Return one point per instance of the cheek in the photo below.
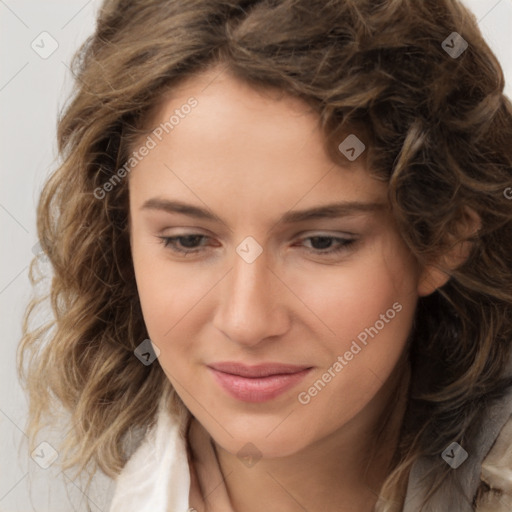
(345, 299)
(370, 310)
(172, 298)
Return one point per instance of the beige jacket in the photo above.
(485, 477)
(497, 474)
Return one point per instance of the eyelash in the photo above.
(344, 244)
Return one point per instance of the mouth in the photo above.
(257, 383)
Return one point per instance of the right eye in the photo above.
(183, 244)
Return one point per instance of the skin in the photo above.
(249, 157)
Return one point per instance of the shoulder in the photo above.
(496, 474)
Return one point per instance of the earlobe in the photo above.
(431, 279)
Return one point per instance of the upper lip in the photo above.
(260, 370)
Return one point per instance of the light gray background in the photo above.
(32, 91)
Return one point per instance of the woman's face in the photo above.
(292, 260)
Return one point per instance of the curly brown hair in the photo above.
(439, 131)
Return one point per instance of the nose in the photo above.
(252, 303)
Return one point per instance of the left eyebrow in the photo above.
(332, 210)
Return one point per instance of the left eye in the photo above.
(320, 244)
(325, 244)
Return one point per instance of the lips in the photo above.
(257, 383)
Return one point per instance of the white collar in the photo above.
(145, 483)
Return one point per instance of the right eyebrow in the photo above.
(169, 206)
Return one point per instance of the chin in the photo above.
(267, 441)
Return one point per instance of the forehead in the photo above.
(246, 147)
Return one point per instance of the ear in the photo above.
(437, 273)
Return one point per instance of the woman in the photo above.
(281, 244)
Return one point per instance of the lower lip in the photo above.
(260, 389)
